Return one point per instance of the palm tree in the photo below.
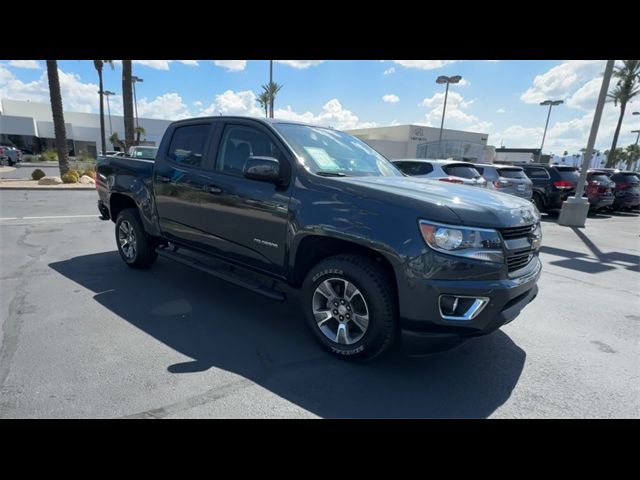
(115, 141)
(58, 116)
(263, 100)
(271, 89)
(127, 103)
(627, 87)
(99, 64)
(139, 131)
(633, 154)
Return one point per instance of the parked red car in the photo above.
(599, 189)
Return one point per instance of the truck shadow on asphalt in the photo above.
(223, 326)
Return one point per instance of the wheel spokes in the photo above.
(361, 321)
(326, 289)
(322, 316)
(342, 335)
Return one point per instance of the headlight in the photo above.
(477, 243)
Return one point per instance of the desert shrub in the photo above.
(49, 155)
(75, 171)
(90, 173)
(37, 174)
(70, 177)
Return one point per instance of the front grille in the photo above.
(519, 259)
(516, 232)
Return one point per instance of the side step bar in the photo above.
(229, 277)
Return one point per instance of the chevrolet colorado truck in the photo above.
(378, 256)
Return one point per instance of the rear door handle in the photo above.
(163, 179)
(213, 189)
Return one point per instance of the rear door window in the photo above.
(188, 143)
(460, 170)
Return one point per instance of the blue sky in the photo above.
(496, 97)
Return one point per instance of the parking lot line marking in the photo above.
(51, 216)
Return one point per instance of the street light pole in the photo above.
(107, 94)
(575, 209)
(135, 80)
(444, 79)
(551, 103)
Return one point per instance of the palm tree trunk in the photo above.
(102, 132)
(612, 155)
(127, 103)
(58, 116)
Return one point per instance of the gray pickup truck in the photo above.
(377, 255)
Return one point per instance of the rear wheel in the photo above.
(349, 305)
(537, 199)
(134, 245)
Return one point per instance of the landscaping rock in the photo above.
(50, 181)
(86, 179)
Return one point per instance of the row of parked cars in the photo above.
(545, 185)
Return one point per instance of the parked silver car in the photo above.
(451, 171)
(506, 179)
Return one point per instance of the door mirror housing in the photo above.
(263, 169)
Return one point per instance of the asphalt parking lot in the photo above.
(82, 335)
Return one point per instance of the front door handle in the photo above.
(213, 189)
(163, 179)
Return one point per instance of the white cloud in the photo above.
(560, 81)
(197, 103)
(191, 63)
(501, 110)
(464, 83)
(493, 61)
(394, 123)
(333, 114)
(457, 117)
(300, 64)
(169, 106)
(424, 64)
(231, 65)
(234, 103)
(587, 95)
(155, 64)
(25, 64)
(389, 71)
(390, 98)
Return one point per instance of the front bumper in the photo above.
(431, 333)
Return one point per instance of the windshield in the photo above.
(460, 170)
(147, 153)
(326, 151)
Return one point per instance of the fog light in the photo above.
(460, 307)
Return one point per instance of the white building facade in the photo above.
(416, 141)
(29, 126)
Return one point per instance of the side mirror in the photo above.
(263, 169)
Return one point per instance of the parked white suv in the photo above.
(10, 155)
(452, 171)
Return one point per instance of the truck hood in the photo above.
(472, 205)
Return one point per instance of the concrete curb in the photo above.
(48, 187)
(4, 169)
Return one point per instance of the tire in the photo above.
(143, 253)
(375, 297)
(537, 199)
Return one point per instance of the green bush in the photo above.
(90, 173)
(37, 174)
(70, 177)
(49, 155)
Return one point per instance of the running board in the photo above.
(229, 277)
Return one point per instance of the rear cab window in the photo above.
(415, 168)
(512, 173)
(461, 170)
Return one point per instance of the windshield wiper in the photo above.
(331, 174)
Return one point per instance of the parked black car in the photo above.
(626, 191)
(552, 184)
(375, 253)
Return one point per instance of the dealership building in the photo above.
(416, 141)
(29, 127)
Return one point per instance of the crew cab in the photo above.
(378, 256)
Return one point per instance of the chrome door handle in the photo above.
(213, 189)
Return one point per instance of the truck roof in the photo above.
(267, 121)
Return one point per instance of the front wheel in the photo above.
(350, 306)
(134, 245)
